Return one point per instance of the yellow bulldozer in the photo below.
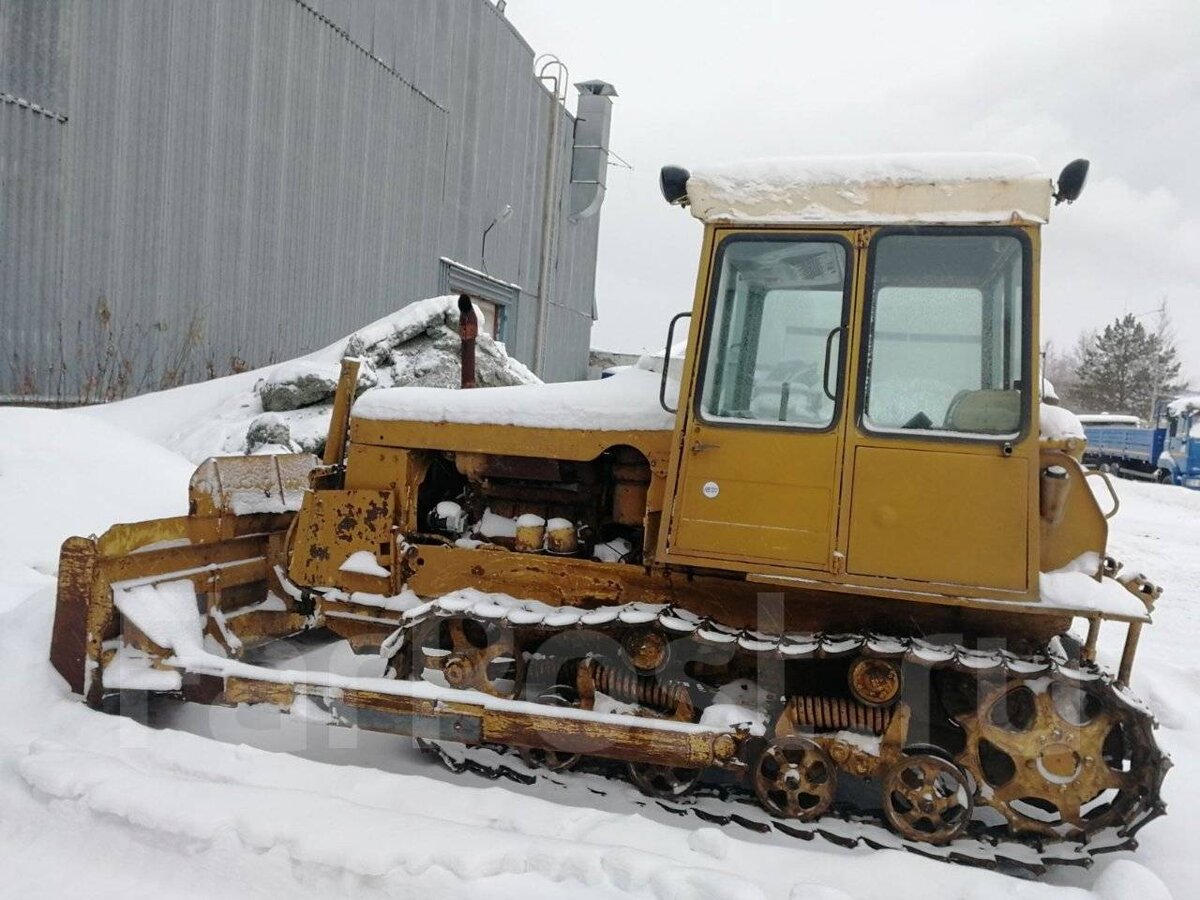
(819, 561)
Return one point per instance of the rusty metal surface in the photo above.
(330, 527)
(927, 799)
(468, 331)
(794, 778)
(68, 639)
(1061, 754)
(668, 698)
(574, 582)
(228, 558)
(468, 721)
(832, 713)
(339, 419)
(471, 658)
(646, 649)
(1056, 734)
(552, 443)
(241, 485)
(875, 682)
(1076, 524)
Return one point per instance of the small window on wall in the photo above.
(945, 335)
(497, 301)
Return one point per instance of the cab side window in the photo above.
(944, 335)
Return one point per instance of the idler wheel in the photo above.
(794, 778)
(664, 782)
(927, 798)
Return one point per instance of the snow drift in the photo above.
(285, 408)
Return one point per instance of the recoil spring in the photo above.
(591, 676)
(839, 714)
(628, 687)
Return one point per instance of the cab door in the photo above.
(940, 483)
(758, 473)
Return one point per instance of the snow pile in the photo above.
(305, 382)
(1049, 394)
(363, 562)
(285, 408)
(1075, 587)
(1059, 424)
(628, 401)
(420, 346)
(1126, 879)
(741, 703)
(64, 473)
(166, 613)
(1182, 405)
(934, 187)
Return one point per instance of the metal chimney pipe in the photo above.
(468, 330)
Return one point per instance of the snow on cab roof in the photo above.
(927, 188)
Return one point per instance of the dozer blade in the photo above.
(239, 510)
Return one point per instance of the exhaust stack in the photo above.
(468, 330)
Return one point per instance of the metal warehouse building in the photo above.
(190, 187)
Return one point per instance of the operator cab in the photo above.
(859, 372)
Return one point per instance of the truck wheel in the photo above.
(1162, 476)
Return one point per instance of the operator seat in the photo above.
(985, 411)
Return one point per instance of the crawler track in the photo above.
(735, 807)
(988, 841)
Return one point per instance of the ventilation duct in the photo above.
(589, 155)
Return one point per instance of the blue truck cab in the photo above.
(1179, 458)
(1168, 452)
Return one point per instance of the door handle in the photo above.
(662, 385)
(828, 356)
(701, 447)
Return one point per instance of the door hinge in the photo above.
(838, 562)
(862, 237)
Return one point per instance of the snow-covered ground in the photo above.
(240, 802)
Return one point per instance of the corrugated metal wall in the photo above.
(237, 182)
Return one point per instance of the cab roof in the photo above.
(929, 188)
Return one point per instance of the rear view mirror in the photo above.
(1071, 181)
(673, 183)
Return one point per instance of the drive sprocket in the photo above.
(1060, 757)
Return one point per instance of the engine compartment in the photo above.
(593, 509)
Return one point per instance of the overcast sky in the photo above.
(706, 81)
